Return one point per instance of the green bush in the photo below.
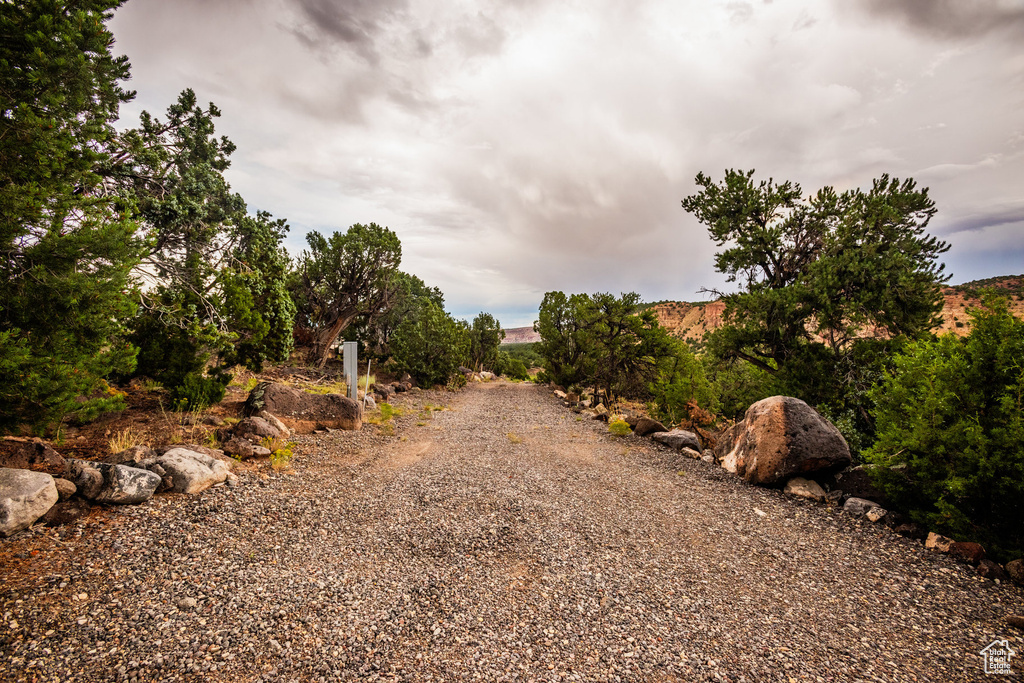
(619, 428)
(516, 369)
(197, 391)
(681, 382)
(431, 345)
(950, 432)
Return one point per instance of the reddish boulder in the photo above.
(1015, 570)
(781, 437)
(301, 411)
(645, 426)
(33, 455)
(966, 551)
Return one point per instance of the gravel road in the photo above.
(500, 539)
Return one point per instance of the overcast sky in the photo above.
(521, 146)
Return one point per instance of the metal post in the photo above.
(350, 363)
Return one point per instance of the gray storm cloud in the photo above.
(519, 147)
(951, 18)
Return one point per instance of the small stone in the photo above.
(967, 551)
(65, 488)
(187, 603)
(805, 488)
(912, 530)
(876, 514)
(1015, 620)
(988, 569)
(937, 542)
(1015, 570)
(858, 506)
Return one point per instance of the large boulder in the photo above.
(255, 429)
(103, 482)
(33, 455)
(645, 426)
(303, 412)
(678, 439)
(781, 437)
(192, 472)
(25, 496)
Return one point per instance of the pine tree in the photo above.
(66, 249)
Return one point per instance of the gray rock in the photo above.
(371, 404)
(256, 428)
(678, 439)
(104, 482)
(781, 437)
(805, 488)
(132, 457)
(559, 394)
(65, 488)
(192, 472)
(858, 506)
(25, 496)
(243, 448)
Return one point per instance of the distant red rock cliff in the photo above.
(520, 335)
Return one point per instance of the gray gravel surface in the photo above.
(501, 539)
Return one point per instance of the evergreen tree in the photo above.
(343, 278)
(431, 345)
(831, 285)
(67, 250)
(213, 276)
(485, 335)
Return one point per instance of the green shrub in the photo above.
(516, 369)
(950, 420)
(431, 345)
(619, 428)
(197, 392)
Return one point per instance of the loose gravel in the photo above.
(500, 539)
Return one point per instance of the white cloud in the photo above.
(523, 147)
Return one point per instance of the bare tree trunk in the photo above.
(324, 341)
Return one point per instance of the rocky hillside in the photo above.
(692, 320)
(520, 335)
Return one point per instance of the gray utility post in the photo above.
(350, 363)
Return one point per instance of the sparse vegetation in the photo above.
(125, 439)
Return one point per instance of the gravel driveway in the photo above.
(501, 539)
